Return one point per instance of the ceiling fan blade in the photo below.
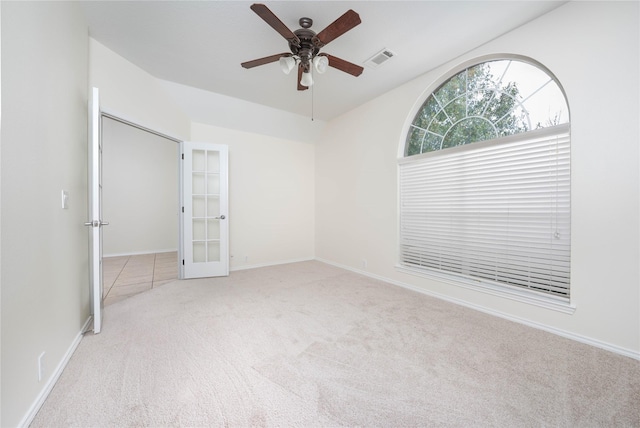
(342, 65)
(263, 12)
(300, 86)
(337, 28)
(265, 60)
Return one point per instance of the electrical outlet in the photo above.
(364, 263)
(246, 259)
(41, 367)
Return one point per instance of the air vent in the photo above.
(380, 58)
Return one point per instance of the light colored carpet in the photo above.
(308, 344)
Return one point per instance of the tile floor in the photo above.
(126, 276)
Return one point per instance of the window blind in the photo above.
(495, 211)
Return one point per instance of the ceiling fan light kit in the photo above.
(306, 79)
(320, 63)
(287, 63)
(305, 46)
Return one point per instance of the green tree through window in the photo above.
(486, 101)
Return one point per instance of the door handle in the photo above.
(96, 223)
(222, 217)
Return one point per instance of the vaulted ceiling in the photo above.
(202, 43)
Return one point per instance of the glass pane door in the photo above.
(205, 209)
(206, 206)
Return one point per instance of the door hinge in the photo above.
(183, 156)
(182, 209)
(182, 262)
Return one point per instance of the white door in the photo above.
(204, 218)
(95, 209)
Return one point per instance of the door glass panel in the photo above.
(199, 232)
(198, 206)
(198, 186)
(206, 206)
(213, 250)
(199, 252)
(198, 162)
(213, 184)
(213, 206)
(213, 229)
(213, 161)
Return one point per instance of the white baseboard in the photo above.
(37, 404)
(261, 265)
(563, 333)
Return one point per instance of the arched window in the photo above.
(484, 102)
(484, 184)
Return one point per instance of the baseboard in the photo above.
(261, 265)
(140, 253)
(550, 329)
(37, 404)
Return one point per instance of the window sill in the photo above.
(524, 296)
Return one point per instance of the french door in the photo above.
(95, 209)
(204, 217)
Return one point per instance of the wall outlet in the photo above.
(41, 367)
(246, 259)
(364, 263)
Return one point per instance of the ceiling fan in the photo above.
(305, 46)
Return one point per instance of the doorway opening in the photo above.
(140, 191)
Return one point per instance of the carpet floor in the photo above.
(308, 345)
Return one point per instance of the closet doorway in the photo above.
(140, 197)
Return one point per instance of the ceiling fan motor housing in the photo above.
(307, 50)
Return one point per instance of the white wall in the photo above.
(44, 279)
(592, 48)
(227, 112)
(130, 92)
(140, 191)
(271, 196)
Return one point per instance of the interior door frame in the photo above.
(122, 119)
(110, 114)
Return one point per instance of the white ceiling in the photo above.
(202, 43)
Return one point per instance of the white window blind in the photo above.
(497, 212)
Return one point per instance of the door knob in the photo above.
(96, 223)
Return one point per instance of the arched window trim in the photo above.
(535, 298)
